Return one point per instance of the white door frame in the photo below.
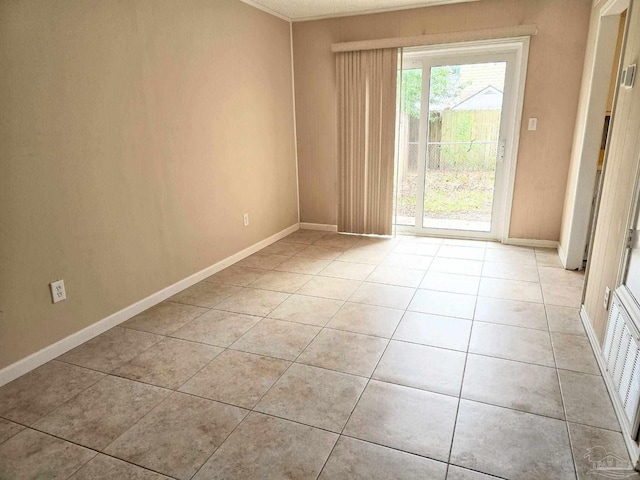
(588, 134)
(515, 79)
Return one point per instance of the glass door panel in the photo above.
(465, 109)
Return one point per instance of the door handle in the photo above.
(502, 146)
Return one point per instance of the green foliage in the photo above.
(444, 89)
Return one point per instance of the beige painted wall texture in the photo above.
(556, 58)
(133, 136)
(622, 163)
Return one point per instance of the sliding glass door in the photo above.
(451, 142)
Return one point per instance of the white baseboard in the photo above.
(19, 368)
(531, 242)
(632, 446)
(319, 226)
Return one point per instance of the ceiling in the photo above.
(297, 10)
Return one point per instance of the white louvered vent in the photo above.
(622, 354)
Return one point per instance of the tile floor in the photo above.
(335, 357)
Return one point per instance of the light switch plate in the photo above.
(630, 76)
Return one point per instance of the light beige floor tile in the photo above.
(456, 265)
(262, 447)
(520, 257)
(34, 455)
(586, 400)
(573, 352)
(313, 396)
(217, 327)
(205, 294)
(505, 383)
(451, 282)
(548, 257)
(251, 301)
(337, 240)
(276, 338)
(354, 459)
(237, 378)
(462, 252)
(283, 248)
(344, 351)
(434, 330)
(420, 239)
(443, 303)
(317, 251)
(367, 319)
(265, 262)
(510, 290)
(102, 467)
(511, 312)
(309, 310)
(415, 248)
(390, 296)
(169, 363)
(234, 275)
(462, 242)
(459, 473)
(512, 343)
(428, 368)
(562, 295)
(306, 265)
(367, 256)
(511, 444)
(398, 417)
(304, 236)
(506, 246)
(97, 416)
(327, 287)
(347, 270)
(592, 446)
(8, 429)
(281, 281)
(113, 348)
(376, 243)
(164, 318)
(510, 271)
(40, 391)
(560, 276)
(178, 436)
(405, 260)
(401, 277)
(564, 320)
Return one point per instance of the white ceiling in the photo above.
(297, 10)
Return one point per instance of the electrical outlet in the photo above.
(245, 219)
(607, 294)
(58, 293)
(533, 123)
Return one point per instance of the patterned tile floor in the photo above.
(335, 357)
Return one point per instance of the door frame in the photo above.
(515, 79)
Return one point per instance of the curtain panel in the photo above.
(366, 139)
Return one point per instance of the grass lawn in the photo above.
(452, 194)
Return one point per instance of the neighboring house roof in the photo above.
(489, 98)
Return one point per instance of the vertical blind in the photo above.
(366, 133)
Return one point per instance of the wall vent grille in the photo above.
(622, 354)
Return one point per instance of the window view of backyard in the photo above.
(457, 149)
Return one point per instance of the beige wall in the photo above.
(554, 72)
(133, 136)
(620, 172)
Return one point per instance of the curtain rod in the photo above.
(437, 38)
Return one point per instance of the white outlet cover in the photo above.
(58, 293)
(533, 123)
